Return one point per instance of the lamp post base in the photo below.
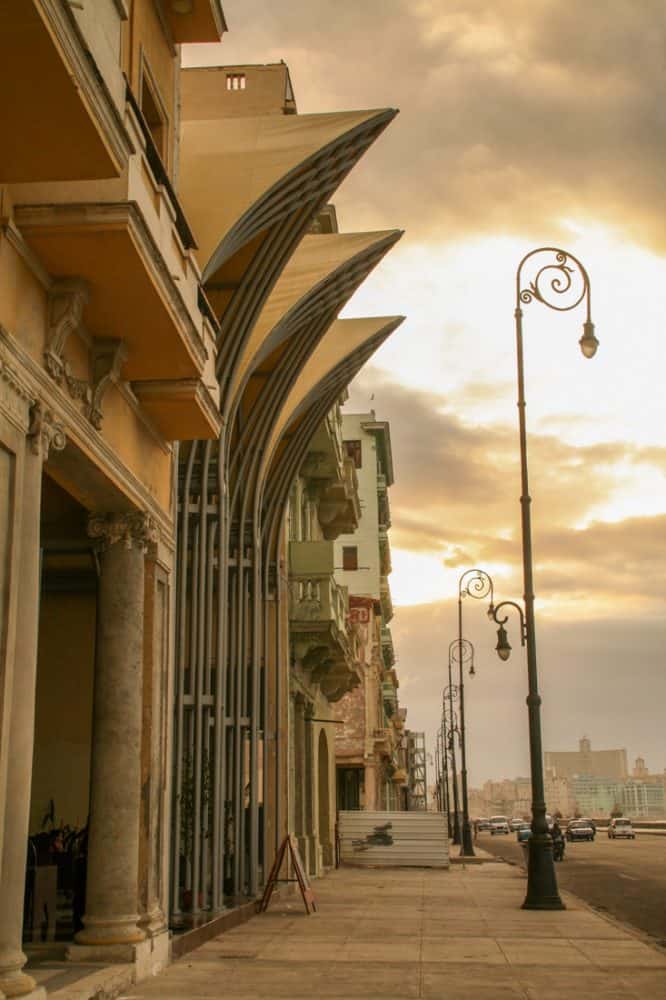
(467, 844)
(542, 891)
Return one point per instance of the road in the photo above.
(625, 878)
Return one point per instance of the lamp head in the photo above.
(503, 647)
(491, 611)
(472, 671)
(588, 342)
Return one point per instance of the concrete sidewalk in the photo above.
(457, 934)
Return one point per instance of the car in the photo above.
(482, 824)
(498, 824)
(619, 826)
(590, 822)
(523, 833)
(516, 823)
(579, 829)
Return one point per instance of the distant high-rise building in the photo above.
(586, 761)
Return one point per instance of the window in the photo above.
(236, 81)
(151, 108)
(354, 451)
(349, 557)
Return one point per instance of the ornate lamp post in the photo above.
(565, 278)
(444, 786)
(461, 651)
(478, 584)
(450, 693)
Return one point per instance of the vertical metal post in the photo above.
(457, 837)
(467, 846)
(542, 891)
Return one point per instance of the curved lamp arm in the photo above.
(455, 646)
(478, 584)
(560, 277)
(503, 647)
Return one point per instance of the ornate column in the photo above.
(111, 914)
(44, 432)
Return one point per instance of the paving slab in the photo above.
(441, 935)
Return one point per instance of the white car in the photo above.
(516, 823)
(499, 824)
(620, 827)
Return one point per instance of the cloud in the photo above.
(514, 116)
(457, 487)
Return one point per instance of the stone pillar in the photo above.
(44, 432)
(155, 757)
(111, 913)
(370, 786)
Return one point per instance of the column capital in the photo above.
(135, 529)
(45, 431)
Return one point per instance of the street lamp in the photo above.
(446, 797)
(561, 285)
(451, 693)
(478, 584)
(443, 780)
(461, 651)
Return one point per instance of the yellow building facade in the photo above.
(170, 282)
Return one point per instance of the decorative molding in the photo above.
(135, 530)
(45, 431)
(67, 299)
(80, 430)
(108, 355)
(15, 396)
(12, 378)
(114, 215)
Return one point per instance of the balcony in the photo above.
(385, 600)
(328, 468)
(383, 742)
(388, 652)
(63, 120)
(195, 20)
(125, 245)
(385, 566)
(384, 506)
(311, 559)
(320, 632)
(316, 601)
(390, 698)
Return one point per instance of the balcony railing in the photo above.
(318, 600)
(159, 173)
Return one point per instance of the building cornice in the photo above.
(36, 384)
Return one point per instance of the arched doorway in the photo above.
(324, 797)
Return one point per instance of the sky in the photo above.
(522, 124)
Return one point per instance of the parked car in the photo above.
(499, 824)
(516, 823)
(482, 824)
(620, 827)
(524, 832)
(586, 819)
(579, 829)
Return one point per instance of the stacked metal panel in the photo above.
(393, 839)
